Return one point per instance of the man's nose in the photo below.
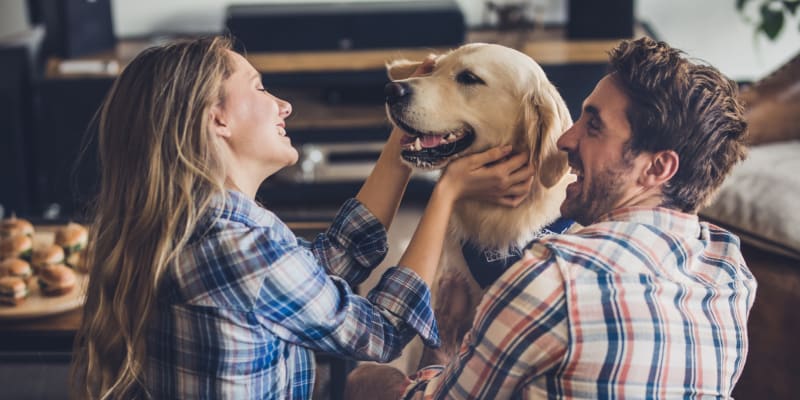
(568, 139)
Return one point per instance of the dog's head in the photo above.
(478, 96)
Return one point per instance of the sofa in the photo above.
(760, 202)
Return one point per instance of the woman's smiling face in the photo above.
(255, 121)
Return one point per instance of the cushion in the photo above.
(760, 200)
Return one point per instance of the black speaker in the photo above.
(74, 27)
(591, 19)
(67, 174)
(342, 26)
(16, 142)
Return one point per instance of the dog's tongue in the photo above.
(427, 141)
(430, 140)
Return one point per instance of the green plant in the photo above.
(772, 15)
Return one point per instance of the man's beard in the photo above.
(599, 198)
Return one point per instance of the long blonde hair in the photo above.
(159, 172)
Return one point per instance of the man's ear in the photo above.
(545, 117)
(663, 165)
(401, 69)
(219, 124)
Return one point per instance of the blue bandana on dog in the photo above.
(486, 265)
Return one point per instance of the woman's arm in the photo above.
(301, 303)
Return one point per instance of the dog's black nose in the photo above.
(396, 91)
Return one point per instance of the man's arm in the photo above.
(520, 333)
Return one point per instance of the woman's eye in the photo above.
(466, 77)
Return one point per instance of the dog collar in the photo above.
(486, 265)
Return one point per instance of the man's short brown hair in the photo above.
(687, 107)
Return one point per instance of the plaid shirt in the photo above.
(648, 303)
(246, 304)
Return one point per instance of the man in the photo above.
(645, 301)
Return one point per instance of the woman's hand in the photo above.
(494, 175)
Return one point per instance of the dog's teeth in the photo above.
(451, 137)
(418, 144)
(443, 141)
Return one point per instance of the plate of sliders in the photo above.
(42, 271)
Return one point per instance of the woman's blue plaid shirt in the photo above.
(247, 303)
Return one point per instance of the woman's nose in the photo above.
(284, 107)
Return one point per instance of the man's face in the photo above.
(596, 147)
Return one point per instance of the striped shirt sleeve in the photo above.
(354, 244)
(299, 302)
(519, 333)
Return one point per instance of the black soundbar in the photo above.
(345, 26)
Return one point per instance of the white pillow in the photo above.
(760, 200)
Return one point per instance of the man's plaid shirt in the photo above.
(645, 304)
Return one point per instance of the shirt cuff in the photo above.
(356, 229)
(419, 381)
(404, 294)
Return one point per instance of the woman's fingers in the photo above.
(479, 160)
(513, 163)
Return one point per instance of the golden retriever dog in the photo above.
(479, 96)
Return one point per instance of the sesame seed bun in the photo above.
(15, 267)
(55, 280)
(72, 236)
(52, 254)
(16, 246)
(77, 261)
(13, 290)
(15, 226)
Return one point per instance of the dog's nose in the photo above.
(395, 91)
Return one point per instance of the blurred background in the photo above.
(59, 57)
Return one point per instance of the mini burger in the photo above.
(72, 238)
(14, 226)
(49, 255)
(13, 290)
(56, 280)
(16, 267)
(19, 246)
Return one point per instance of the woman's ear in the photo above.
(545, 117)
(401, 69)
(219, 124)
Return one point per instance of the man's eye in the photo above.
(466, 77)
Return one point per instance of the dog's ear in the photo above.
(545, 118)
(401, 69)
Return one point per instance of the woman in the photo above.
(195, 290)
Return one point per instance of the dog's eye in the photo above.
(466, 77)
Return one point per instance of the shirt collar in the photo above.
(664, 218)
(236, 206)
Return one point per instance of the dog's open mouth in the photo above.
(427, 150)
